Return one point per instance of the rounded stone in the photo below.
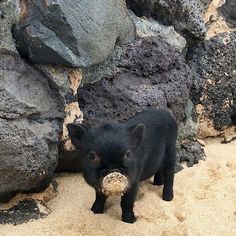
(114, 183)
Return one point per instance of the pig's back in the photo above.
(160, 131)
(156, 122)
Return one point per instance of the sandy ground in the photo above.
(204, 204)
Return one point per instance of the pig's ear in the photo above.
(136, 135)
(76, 132)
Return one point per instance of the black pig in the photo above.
(139, 148)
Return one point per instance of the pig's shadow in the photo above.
(147, 186)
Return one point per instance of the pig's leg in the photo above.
(98, 205)
(127, 204)
(168, 173)
(158, 178)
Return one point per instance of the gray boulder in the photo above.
(76, 33)
(31, 114)
(150, 27)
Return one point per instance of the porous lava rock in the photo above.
(215, 87)
(9, 15)
(185, 15)
(31, 115)
(149, 73)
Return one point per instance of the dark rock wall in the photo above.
(215, 87)
(31, 115)
(9, 15)
(185, 15)
(150, 73)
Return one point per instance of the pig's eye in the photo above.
(93, 156)
(127, 155)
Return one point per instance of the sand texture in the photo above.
(218, 24)
(204, 204)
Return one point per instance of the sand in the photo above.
(204, 204)
(218, 25)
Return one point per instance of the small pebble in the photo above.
(114, 184)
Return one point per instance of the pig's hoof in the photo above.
(128, 217)
(97, 208)
(167, 197)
